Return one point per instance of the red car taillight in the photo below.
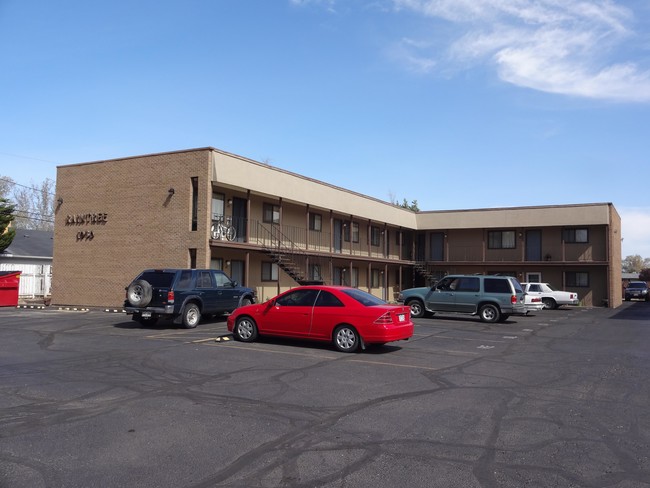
(385, 319)
(170, 296)
(513, 299)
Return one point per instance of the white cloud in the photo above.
(556, 46)
(413, 54)
(329, 4)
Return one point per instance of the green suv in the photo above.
(492, 298)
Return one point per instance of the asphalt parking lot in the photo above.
(93, 399)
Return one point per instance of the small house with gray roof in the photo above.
(30, 253)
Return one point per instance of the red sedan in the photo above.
(347, 317)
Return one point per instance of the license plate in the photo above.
(401, 317)
(146, 315)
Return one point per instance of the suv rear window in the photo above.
(496, 285)
(185, 281)
(637, 284)
(160, 279)
(517, 285)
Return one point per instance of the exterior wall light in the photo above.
(59, 201)
(171, 191)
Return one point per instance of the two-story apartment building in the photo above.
(272, 229)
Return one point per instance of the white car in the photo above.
(533, 303)
(551, 298)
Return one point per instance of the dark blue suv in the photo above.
(184, 295)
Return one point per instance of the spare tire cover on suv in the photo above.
(139, 293)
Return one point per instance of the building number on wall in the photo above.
(85, 235)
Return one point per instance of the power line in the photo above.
(31, 213)
(34, 219)
(27, 157)
(33, 188)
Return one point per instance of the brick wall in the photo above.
(118, 218)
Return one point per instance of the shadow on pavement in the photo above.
(633, 311)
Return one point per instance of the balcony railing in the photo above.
(306, 241)
(298, 239)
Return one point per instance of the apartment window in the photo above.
(355, 231)
(354, 277)
(218, 205)
(501, 239)
(271, 213)
(375, 278)
(351, 231)
(195, 202)
(315, 272)
(339, 277)
(375, 236)
(192, 253)
(576, 235)
(315, 222)
(577, 278)
(269, 271)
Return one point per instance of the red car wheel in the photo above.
(346, 338)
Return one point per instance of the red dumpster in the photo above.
(9, 283)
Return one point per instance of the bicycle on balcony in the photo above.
(223, 229)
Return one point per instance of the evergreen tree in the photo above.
(6, 216)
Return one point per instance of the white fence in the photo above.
(35, 279)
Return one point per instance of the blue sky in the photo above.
(456, 103)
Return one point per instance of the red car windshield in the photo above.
(364, 298)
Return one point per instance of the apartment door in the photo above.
(437, 246)
(239, 218)
(533, 277)
(533, 245)
(420, 248)
(338, 235)
(237, 271)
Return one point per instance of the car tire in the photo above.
(139, 293)
(489, 313)
(504, 317)
(191, 315)
(246, 301)
(148, 322)
(346, 339)
(417, 308)
(549, 303)
(245, 329)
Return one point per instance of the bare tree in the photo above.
(635, 263)
(6, 186)
(34, 205)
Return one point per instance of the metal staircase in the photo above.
(421, 269)
(283, 252)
